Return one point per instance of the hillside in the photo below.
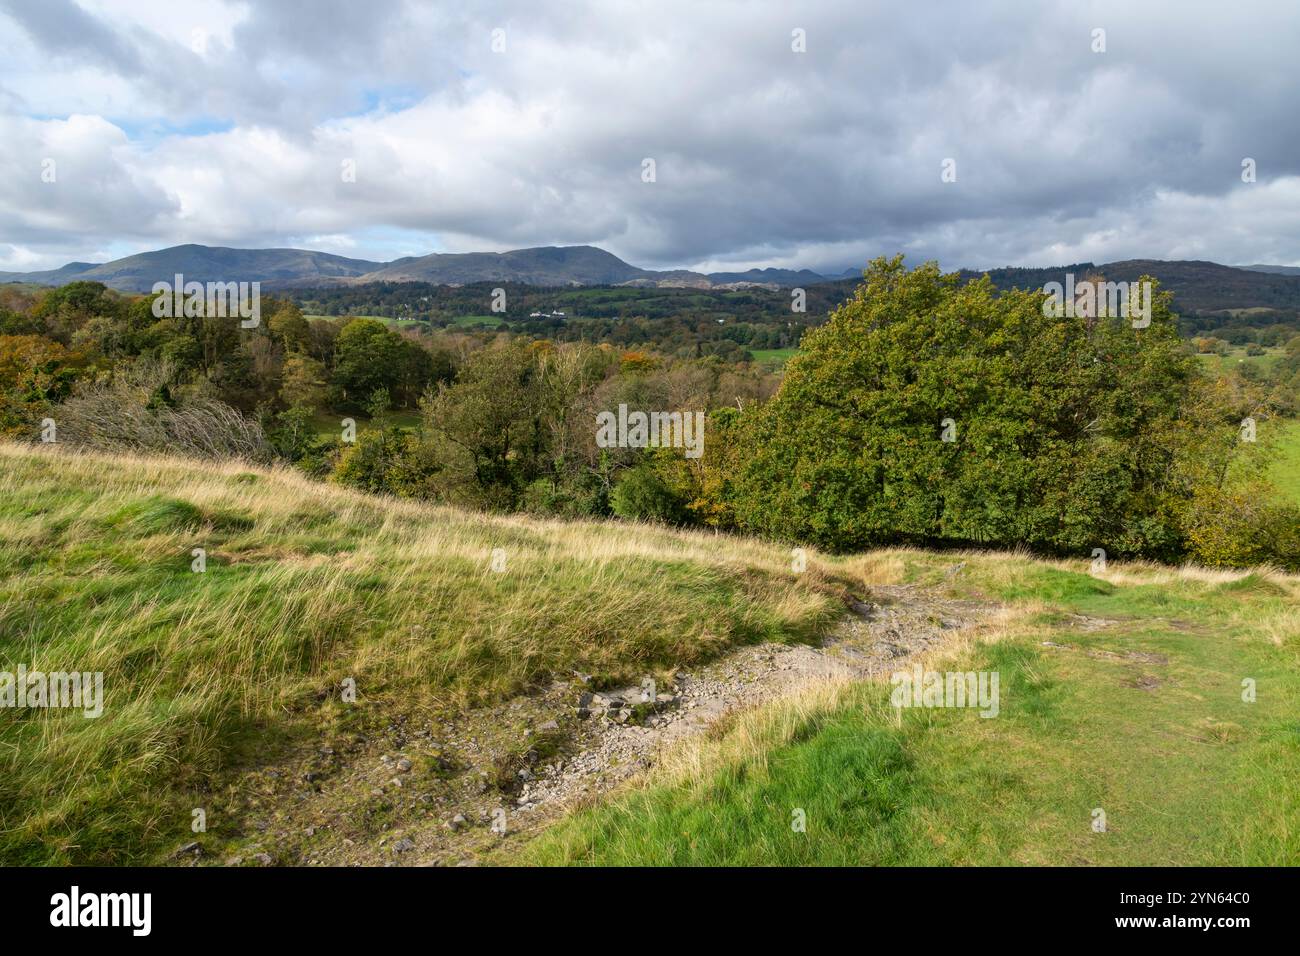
(204, 264)
(307, 585)
(1146, 717)
(545, 266)
(1279, 270)
(223, 689)
(1197, 286)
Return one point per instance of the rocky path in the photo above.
(444, 792)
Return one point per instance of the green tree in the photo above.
(486, 429)
(927, 411)
(302, 381)
(368, 355)
(67, 308)
(289, 328)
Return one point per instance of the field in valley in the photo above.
(1237, 356)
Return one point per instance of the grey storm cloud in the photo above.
(192, 121)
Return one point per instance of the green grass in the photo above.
(777, 357)
(1285, 471)
(1236, 356)
(306, 585)
(476, 321)
(329, 425)
(1142, 719)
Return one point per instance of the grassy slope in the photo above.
(306, 585)
(1285, 473)
(1185, 770)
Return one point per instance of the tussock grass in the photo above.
(1138, 710)
(306, 585)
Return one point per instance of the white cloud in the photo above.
(764, 156)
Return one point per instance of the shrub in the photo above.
(641, 494)
(380, 461)
(580, 496)
(1243, 527)
(295, 440)
(135, 411)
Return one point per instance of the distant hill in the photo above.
(778, 277)
(1278, 270)
(554, 266)
(546, 265)
(204, 264)
(1202, 287)
(1198, 286)
(59, 276)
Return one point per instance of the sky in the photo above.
(795, 135)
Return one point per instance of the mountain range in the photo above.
(1198, 285)
(290, 268)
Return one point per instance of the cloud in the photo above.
(206, 122)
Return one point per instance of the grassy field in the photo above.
(777, 357)
(387, 320)
(306, 585)
(477, 321)
(1217, 364)
(1285, 473)
(1120, 695)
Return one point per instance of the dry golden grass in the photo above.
(307, 585)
